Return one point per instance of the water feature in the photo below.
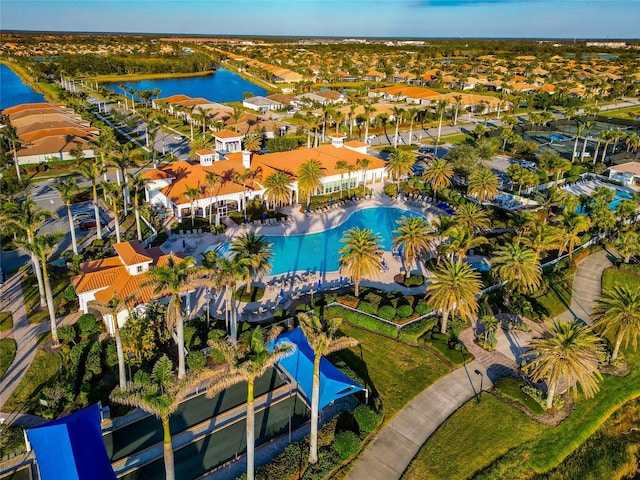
(13, 91)
(319, 251)
(222, 86)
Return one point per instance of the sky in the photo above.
(343, 18)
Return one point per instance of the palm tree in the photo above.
(441, 107)
(161, 396)
(350, 169)
(453, 289)
(518, 265)
(112, 192)
(91, 171)
(252, 142)
(628, 245)
(360, 256)
(368, 110)
(310, 176)
(246, 364)
(341, 166)
(460, 240)
(483, 184)
(10, 133)
(211, 180)
(458, 100)
(175, 278)
(322, 339)
(67, 190)
(103, 145)
(400, 163)
(472, 217)
(414, 236)
(363, 164)
(398, 114)
(27, 217)
(137, 184)
(226, 273)
(607, 136)
(566, 351)
(123, 87)
(277, 188)
(192, 193)
(438, 174)
(618, 312)
(574, 225)
(111, 309)
(256, 250)
(542, 238)
(42, 246)
(122, 161)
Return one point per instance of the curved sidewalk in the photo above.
(394, 447)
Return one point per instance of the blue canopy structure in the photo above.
(333, 383)
(72, 448)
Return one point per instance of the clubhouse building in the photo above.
(211, 186)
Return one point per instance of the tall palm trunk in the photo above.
(443, 325)
(616, 348)
(50, 304)
(122, 376)
(550, 394)
(604, 150)
(136, 211)
(180, 334)
(35, 262)
(72, 229)
(250, 432)
(167, 446)
(395, 138)
(116, 220)
(15, 161)
(96, 212)
(315, 408)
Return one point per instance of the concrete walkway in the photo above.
(389, 454)
(587, 285)
(26, 337)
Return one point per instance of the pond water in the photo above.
(222, 86)
(13, 91)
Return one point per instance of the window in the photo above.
(139, 269)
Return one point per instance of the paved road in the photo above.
(587, 285)
(394, 447)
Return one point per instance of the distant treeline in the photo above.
(124, 64)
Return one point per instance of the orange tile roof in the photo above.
(227, 134)
(27, 106)
(156, 175)
(132, 252)
(355, 143)
(205, 151)
(97, 280)
(102, 264)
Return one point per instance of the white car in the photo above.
(178, 137)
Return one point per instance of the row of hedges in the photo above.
(338, 441)
(391, 306)
(362, 320)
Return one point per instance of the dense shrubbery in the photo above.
(412, 332)
(541, 397)
(387, 312)
(362, 320)
(346, 444)
(196, 361)
(367, 419)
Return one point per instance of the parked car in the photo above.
(82, 216)
(178, 137)
(87, 224)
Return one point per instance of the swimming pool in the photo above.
(319, 251)
(620, 195)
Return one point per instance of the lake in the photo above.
(13, 91)
(222, 86)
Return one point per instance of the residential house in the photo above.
(626, 173)
(262, 104)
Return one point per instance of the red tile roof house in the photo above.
(167, 187)
(122, 276)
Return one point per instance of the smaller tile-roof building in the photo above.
(122, 276)
(626, 173)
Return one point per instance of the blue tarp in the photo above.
(333, 383)
(71, 448)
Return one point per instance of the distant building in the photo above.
(262, 104)
(50, 132)
(626, 173)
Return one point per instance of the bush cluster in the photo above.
(541, 397)
(412, 332)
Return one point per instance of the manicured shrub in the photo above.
(414, 281)
(196, 361)
(349, 300)
(541, 397)
(387, 312)
(88, 325)
(422, 308)
(111, 354)
(366, 418)
(346, 444)
(362, 320)
(404, 311)
(390, 189)
(303, 307)
(70, 294)
(67, 333)
(413, 331)
(365, 307)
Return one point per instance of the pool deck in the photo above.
(303, 283)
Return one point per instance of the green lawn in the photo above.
(44, 369)
(557, 299)
(6, 321)
(35, 314)
(510, 388)
(471, 439)
(621, 276)
(626, 113)
(393, 371)
(7, 354)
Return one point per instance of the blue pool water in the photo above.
(557, 136)
(319, 251)
(619, 196)
(481, 267)
(222, 86)
(14, 91)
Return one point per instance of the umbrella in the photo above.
(341, 281)
(319, 284)
(264, 216)
(281, 292)
(384, 263)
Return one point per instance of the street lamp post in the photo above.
(478, 372)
